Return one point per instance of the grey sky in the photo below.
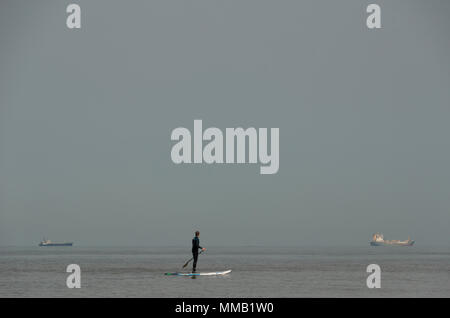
(86, 117)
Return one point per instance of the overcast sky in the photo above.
(86, 117)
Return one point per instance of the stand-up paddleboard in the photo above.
(200, 274)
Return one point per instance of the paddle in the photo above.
(191, 260)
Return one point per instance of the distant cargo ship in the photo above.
(50, 243)
(378, 240)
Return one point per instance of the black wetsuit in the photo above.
(195, 247)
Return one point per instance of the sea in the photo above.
(256, 272)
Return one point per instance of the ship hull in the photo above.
(56, 244)
(411, 243)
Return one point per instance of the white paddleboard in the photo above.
(199, 274)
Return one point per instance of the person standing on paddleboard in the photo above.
(195, 247)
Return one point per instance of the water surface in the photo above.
(257, 272)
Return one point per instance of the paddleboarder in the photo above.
(195, 247)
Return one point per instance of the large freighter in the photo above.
(378, 240)
(50, 243)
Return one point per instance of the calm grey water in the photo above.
(257, 272)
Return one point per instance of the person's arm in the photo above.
(198, 244)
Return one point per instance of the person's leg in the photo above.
(195, 261)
